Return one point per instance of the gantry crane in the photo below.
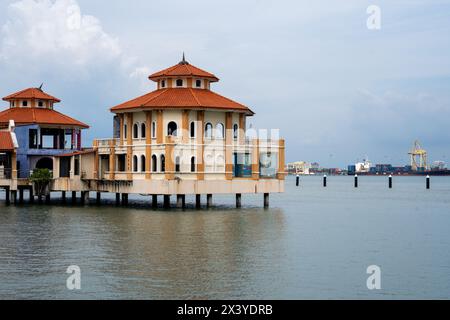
(418, 157)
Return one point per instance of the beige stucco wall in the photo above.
(173, 187)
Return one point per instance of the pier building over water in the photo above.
(180, 139)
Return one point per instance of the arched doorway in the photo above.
(45, 163)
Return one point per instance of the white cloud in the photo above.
(56, 33)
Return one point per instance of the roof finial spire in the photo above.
(184, 59)
(40, 87)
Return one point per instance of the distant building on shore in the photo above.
(299, 167)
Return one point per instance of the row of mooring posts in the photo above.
(356, 181)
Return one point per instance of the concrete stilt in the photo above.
(117, 199)
(209, 200)
(85, 197)
(31, 195)
(20, 195)
(74, 197)
(7, 198)
(63, 197)
(198, 201)
(238, 200)
(266, 200)
(14, 197)
(154, 201)
(99, 198)
(124, 199)
(180, 201)
(166, 201)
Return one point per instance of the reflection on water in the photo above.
(312, 243)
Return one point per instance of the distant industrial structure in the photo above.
(419, 157)
(418, 166)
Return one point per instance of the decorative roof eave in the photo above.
(76, 153)
(39, 116)
(31, 93)
(193, 76)
(183, 69)
(141, 108)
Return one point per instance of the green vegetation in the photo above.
(41, 179)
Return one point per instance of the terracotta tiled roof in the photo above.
(6, 142)
(38, 116)
(183, 69)
(31, 93)
(180, 98)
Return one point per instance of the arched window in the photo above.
(198, 83)
(193, 164)
(163, 83)
(125, 131)
(177, 165)
(208, 130)
(220, 131)
(143, 164)
(135, 164)
(143, 129)
(163, 163)
(192, 130)
(135, 131)
(153, 129)
(179, 82)
(154, 163)
(172, 129)
(235, 131)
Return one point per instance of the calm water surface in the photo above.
(312, 243)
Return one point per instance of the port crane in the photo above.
(419, 157)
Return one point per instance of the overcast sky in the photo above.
(336, 90)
